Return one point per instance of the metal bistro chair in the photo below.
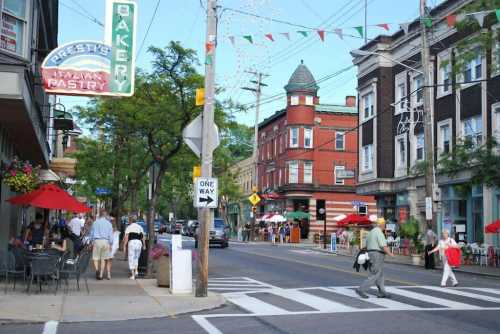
(13, 269)
(76, 270)
(43, 267)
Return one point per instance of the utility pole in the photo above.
(257, 90)
(428, 121)
(206, 214)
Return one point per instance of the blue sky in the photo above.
(184, 21)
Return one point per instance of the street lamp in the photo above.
(360, 53)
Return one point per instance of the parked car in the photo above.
(160, 226)
(176, 227)
(218, 235)
(190, 228)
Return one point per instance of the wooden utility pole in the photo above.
(257, 90)
(428, 120)
(206, 214)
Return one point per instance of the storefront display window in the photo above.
(13, 26)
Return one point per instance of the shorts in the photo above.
(100, 251)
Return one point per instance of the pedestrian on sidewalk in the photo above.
(134, 242)
(272, 236)
(376, 245)
(114, 247)
(282, 233)
(287, 233)
(430, 243)
(101, 235)
(445, 243)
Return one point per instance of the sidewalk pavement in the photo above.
(398, 259)
(118, 299)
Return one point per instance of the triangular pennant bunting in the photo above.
(338, 31)
(405, 27)
(231, 39)
(248, 38)
(427, 22)
(269, 37)
(480, 17)
(287, 35)
(303, 33)
(321, 34)
(451, 20)
(384, 26)
(359, 30)
(498, 14)
(208, 60)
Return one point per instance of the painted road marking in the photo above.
(430, 299)
(465, 294)
(318, 303)
(386, 303)
(50, 327)
(254, 305)
(237, 284)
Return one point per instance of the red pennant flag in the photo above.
(451, 20)
(270, 37)
(209, 47)
(384, 26)
(321, 34)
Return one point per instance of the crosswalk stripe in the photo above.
(255, 305)
(430, 299)
(235, 284)
(494, 291)
(238, 289)
(318, 303)
(465, 294)
(386, 303)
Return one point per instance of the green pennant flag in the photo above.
(303, 33)
(359, 30)
(498, 14)
(208, 60)
(427, 22)
(248, 38)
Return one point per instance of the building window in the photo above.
(444, 137)
(363, 210)
(279, 177)
(308, 138)
(13, 30)
(418, 83)
(473, 130)
(495, 123)
(338, 181)
(368, 110)
(367, 158)
(269, 150)
(294, 137)
(401, 152)
(293, 172)
(444, 73)
(473, 68)
(309, 100)
(339, 140)
(308, 171)
(495, 54)
(420, 146)
(294, 100)
(274, 144)
(400, 98)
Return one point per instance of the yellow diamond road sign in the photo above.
(254, 199)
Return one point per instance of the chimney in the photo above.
(350, 101)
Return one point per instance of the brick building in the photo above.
(303, 150)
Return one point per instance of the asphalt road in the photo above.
(281, 289)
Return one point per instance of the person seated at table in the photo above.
(59, 241)
(36, 232)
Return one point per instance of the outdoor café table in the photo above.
(42, 265)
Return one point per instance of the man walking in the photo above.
(376, 244)
(101, 235)
(76, 224)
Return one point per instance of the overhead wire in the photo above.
(79, 12)
(147, 30)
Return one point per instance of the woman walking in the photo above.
(134, 242)
(114, 247)
(445, 243)
(282, 233)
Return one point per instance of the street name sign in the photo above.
(206, 189)
(254, 199)
(344, 174)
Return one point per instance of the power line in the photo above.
(147, 31)
(87, 16)
(86, 11)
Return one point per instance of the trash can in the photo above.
(163, 271)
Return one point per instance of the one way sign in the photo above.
(206, 193)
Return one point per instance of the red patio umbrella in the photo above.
(50, 196)
(353, 219)
(493, 227)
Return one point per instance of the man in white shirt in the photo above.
(76, 224)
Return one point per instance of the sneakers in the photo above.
(455, 285)
(361, 294)
(384, 295)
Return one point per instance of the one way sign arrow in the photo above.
(208, 200)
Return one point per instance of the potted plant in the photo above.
(20, 176)
(411, 231)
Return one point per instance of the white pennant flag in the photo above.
(480, 17)
(405, 26)
(338, 31)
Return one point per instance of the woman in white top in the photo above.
(445, 243)
(134, 240)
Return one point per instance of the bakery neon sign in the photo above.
(92, 68)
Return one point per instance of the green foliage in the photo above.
(483, 162)
(411, 230)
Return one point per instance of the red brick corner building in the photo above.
(303, 151)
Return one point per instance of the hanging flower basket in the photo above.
(20, 176)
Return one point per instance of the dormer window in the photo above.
(309, 100)
(294, 100)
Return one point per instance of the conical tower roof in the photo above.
(302, 81)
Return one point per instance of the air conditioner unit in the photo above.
(317, 120)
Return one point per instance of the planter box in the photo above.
(163, 271)
(416, 259)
